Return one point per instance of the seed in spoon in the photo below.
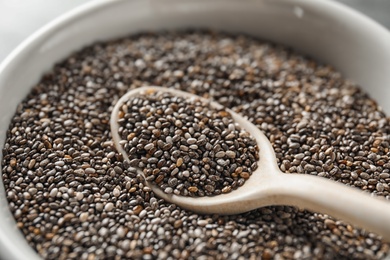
(186, 146)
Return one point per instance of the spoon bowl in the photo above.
(269, 186)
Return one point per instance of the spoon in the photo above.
(269, 186)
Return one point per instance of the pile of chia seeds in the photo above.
(74, 197)
(186, 146)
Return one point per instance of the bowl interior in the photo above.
(325, 30)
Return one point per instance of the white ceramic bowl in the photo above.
(326, 30)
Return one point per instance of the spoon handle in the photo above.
(340, 201)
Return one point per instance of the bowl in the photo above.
(326, 30)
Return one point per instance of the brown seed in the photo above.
(330, 224)
(179, 162)
(121, 114)
(234, 175)
(47, 144)
(156, 132)
(130, 136)
(12, 162)
(192, 189)
(223, 113)
(377, 142)
(178, 223)
(36, 231)
(49, 236)
(226, 189)
(68, 216)
(245, 175)
(159, 179)
(239, 170)
(31, 164)
(148, 250)
(137, 209)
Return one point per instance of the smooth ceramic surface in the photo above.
(35, 13)
(326, 30)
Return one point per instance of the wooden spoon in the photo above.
(269, 186)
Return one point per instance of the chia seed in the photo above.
(318, 123)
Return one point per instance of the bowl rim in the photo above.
(90, 6)
(50, 26)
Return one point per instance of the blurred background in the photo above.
(20, 18)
